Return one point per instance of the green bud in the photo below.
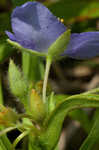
(37, 107)
(18, 83)
(60, 44)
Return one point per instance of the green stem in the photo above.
(4, 131)
(20, 137)
(48, 64)
(7, 130)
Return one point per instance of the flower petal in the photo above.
(10, 35)
(84, 45)
(34, 23)
(26, 43)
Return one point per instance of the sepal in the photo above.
(60, 45)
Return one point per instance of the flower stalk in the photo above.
(47, 69)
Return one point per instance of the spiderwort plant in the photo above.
(37, 31)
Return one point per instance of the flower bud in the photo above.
(37, 107)
(39, 88)
(18, 84)
(7, 116)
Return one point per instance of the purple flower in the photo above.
(34, 27)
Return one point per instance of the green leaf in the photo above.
(71, 10)
(6, 142)
(59, 45)
(18, 83)
(93, 136)
(59, 98)
(49, 138)
(33, 143)
(79, 115)
(2, 146)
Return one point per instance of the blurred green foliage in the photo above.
(71, 10)
(5, 48)
(19, 2)
(3, 2)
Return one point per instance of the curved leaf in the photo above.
(80, 115)
(49, 138)
(93, 136)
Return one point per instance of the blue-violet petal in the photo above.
(83, 45)
(35, 27)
